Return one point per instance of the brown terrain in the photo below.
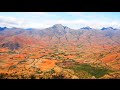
(59, 52)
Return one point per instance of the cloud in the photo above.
(47, 21)
(76, 24)
(21, 23)
(11, 21)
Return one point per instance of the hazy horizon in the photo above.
(74, 20)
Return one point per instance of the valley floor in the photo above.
(60, 62)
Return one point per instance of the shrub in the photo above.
(38, 72)
(60, 76)
(11, 52)
(51, 71)
(23, 61)
(14, 66)
(2, 75)
(32, 76)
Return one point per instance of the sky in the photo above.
(74, 20)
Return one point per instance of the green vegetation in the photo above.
(79, 56)
(32, 77)
(38, 72)
(23, 61)
(2, 75)
(31, 54)
(60, 76)
(94, 71)
(11, 52)
(13, 66)
(101, 55)
(51, 71)
(79, 46)
(54, 56)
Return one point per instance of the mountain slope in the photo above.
(59, 52)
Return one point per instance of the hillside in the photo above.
(59, 52)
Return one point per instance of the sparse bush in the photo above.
(2, 75)
(32, 76)
(51, 71)
(60, 76)
(14, 66)
(11, 52)
(23, 61)
(101, 55)
(38, 72)
(79, 46)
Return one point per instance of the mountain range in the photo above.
(18, 37)
(60, 52)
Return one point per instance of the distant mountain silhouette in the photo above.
(86, 28)
(2, 28)
(29, 28)
(108, 28)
